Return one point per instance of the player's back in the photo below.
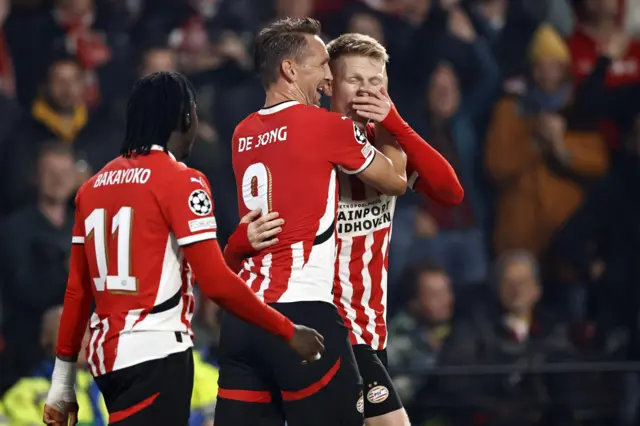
(284, 159)
(141, 283)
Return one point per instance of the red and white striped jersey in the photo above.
(364, 233)
(284, 159)
(132, 217)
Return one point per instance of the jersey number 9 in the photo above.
(257, 187)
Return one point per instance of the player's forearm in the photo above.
(76, 308)
(225, 288)
(437, 179)
(238, 248)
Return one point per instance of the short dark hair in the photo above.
(54, 62)
(282, 39)
(157, 107)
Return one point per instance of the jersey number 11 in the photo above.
(121, 223)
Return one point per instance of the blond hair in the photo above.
(357, 45)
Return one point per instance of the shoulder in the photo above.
(245, 123)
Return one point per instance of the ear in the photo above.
(288, 69)
(328, 89)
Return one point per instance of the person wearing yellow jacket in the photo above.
(24, 402)
(205, 392)
(3, 419)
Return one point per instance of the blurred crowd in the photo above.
(536, 105)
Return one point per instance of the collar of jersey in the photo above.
(159, 148)
(277, 107)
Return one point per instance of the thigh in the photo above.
(380, 396)
(246, 395)
(150, 393)
(329, 388)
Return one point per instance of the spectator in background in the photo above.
(535, 157)
(367, 24)
(598, 21)
(508, 26)
(25, 400)
(8, 104)
(417, 334)
(35, 249)
(515, 331)
(59, 113)
(452, 235)
(157, 59)
(69, 29)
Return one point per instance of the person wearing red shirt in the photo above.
(144, 230)
(599, 20)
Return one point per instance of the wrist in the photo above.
(239, 241)
(63, 382)
(288, 329)
(393, 122)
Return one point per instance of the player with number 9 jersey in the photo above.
(285, 159)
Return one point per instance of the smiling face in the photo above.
(312, 71)
(352, 74)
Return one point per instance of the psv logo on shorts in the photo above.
(199, 202)
(360, 135)
(377, 394)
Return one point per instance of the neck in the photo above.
(176, 147)
(68, 112)
(523, 315)
(55, 211)
(276, 95)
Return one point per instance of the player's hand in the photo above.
(262, 230)
(68, 416)
(372, 105)
(307, 342)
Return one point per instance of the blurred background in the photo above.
(518, 307)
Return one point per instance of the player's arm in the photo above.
(349, 148)
(430, 173)
(73, 325)
(386, 143)
(254, 234)
(223, 286)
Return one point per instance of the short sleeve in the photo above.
(188, 207)
(348, 146)
(77, 235)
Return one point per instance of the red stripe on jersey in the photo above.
(377, 291)
(257, 282)
(186, 298)
(337, 293)
(356, 266)
(279, 276)
(110, 344)
(93, 359)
